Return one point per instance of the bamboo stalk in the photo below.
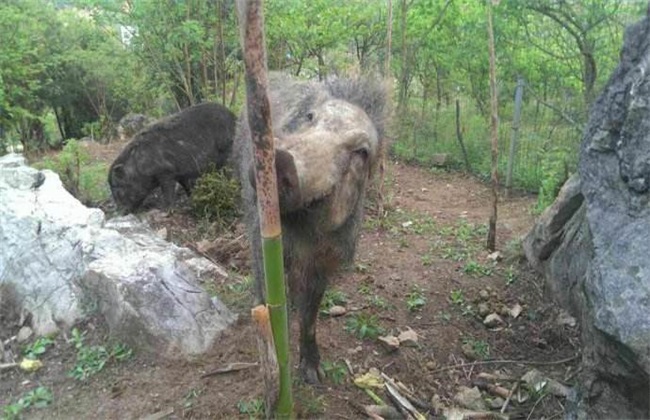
(251, 21)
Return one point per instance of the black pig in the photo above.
(178, 148)
(328, 136)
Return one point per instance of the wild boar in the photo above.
(178, 148)
(328, 137)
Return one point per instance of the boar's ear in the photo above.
(118, 172)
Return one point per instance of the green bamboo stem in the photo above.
(251, 22)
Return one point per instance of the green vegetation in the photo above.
(335, 371)
(215, 197)
(81, 177)
(253, 408)
(92, 359)
(37, 348)
(479, 347)
(39, 397)
(476, 269)
(331, 298)
(457, 297)
(364, 326)
(415, 300)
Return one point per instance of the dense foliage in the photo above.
(70, 69)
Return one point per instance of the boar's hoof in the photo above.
(313, 375)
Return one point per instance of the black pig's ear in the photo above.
(119, 173)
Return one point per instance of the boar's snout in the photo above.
(288, 182)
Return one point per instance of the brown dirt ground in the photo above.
(432, 240)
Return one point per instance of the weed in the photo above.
(253, 408)
(444, 317)
(403, 243)
(468, 310)
(242, 286)
(378, 302)
(38, 398)
(37, 348)
(364, 326)
(457, 297)
(361, 268)
(331, 298)
(309, 403)
(190, 398)
(480, 347)
(335, 371)
(92, 359)
(416, 299)
(476, 269)
(454, 254)
(364, 289)
(426, 260)
(215, 197)
(511, 275)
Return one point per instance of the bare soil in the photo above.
(429, 245)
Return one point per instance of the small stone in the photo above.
(162, 232)
(493, 320)
(470, 398)
(23, 334)
(483, 309)
(423, 189)
(495, 256)
(496, 403)
(563, 318)
(337, 310)
(408, 338)
(407, 224)
(390, 342)
(468, 351)
(504, 310)
(355, 350)
(437, 404)
(515, 311)
(431, 365)
(484, 294)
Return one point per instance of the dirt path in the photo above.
(427, 253)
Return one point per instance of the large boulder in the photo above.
(592, 244)
(63, 261)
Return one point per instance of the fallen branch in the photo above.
(506, 361)
(4, 366)
(535, 405)
(231, 367)
(507, 401)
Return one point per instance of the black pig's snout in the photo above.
(288, 182)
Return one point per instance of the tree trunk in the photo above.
(494, 130)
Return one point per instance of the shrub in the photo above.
(216, 197)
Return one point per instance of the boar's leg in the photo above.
(187, 185)
(168, 186)
(309, 306)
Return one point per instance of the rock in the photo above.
(395, 277)
(483, 309)
(23, 334)
(538, 382)
(407, 224)
(515, 311)
(130, 124)
(496, 403)
(563, 318)
(62, 257)
(495, 256)
(437, 404)
(484, 294)
(382, 412)
(408, 338)
(469, 352)
(470, 398)
(493, 320)
(162, 233)
(591, 245)
(389, 342)
(504, 310)
(440, 159)
(337, 310)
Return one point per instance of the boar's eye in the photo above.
(310, 116)
(362, 153)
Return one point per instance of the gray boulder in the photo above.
(592, 244)
(64, 262)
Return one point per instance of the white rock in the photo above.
(337, 310)
(60, 256)
(493, 320)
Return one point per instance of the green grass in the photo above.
(39, 397)
(37, 348)
(364, 326)
(91, 360)
(335, 371)
(476, 269)
(254, 408)
(457, 297)
(415, 300)
(480, 347)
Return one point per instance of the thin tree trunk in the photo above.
(251, 23)
(519, 93)
(459, 136)
(494, 130)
